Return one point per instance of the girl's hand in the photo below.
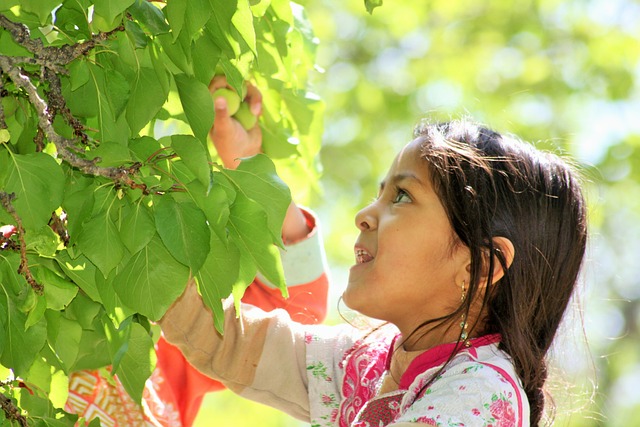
(231, 140)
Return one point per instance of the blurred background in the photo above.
(564, 75)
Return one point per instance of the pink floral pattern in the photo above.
(473, 391)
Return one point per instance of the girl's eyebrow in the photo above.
(404, 176)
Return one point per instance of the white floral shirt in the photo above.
(478, 388)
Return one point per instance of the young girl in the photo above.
(470, 253)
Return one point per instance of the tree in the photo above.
(110, 197)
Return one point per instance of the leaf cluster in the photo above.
(107, 177)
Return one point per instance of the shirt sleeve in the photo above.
(261, 355)
(305, 269)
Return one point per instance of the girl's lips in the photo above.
(362, 256)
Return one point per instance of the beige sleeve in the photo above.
(261, 355)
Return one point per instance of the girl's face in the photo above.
(408, 267)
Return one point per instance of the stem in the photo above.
(6, 201)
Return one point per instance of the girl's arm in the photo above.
(261, 355)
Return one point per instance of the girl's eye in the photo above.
(401, 196)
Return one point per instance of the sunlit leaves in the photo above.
(197, 103)
(184, 231)
(109, 9)
(115, 251)
(256, 178)
(131, 347)
(194, 155)
(14, 337)
(37, 181)
(100, 241)
(151, 280)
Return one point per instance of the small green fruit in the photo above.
(233, 100)
(246, 118)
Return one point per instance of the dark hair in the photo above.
(492, 185)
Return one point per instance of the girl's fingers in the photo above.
(222, 120)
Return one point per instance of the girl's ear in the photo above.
(503, 248)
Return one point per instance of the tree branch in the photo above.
(66, 146)
(7, 203)
(52, 56)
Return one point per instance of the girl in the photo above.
(470, 253)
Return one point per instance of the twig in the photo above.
(57, 103)
(12, 412)
(7, 203)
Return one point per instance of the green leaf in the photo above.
(137, 227)
(116, 309)
(214, 204)
(58, 291)
(219, 26)
(111, 154)
(196, 15)
(81, 271)
(178, 50)
(71, 17)
(38, 182)
(5, 136)
(64, 337)
(152, 280)
(84, 311)
(116, 91)
(41, 8)
(44, 241)
(205, 57)
(18, 346)
(184, 231)
(137, 356)
(110, 9)
(257, 179)
(148, 94)
(243, 22)
(217, 276)
(78, 206)
(197, 105)
(247, 224)
(194, 155)
(372, 4)
(149, 16)
(136, 34)
(176, 11)
(100, 241)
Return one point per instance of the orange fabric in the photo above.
(186, 386)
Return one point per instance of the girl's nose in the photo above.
(367, 219)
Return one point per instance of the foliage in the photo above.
(111, 199)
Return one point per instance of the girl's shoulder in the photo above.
(478, 387)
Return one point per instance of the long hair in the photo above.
(493, 185)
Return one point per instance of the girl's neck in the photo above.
(421, 342)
